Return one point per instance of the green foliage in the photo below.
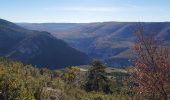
(20, 82)
(25, 82)
(70, 74)
(97, 79)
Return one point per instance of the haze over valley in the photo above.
(108, 41)
(84, 50)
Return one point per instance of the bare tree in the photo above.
(152, 65)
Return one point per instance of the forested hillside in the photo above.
(37, 48)
(107, 41)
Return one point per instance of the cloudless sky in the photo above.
(81, 11)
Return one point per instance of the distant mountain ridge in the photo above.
(51, 27)
(109, 41)
(37, 48)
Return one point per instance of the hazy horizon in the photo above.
(84, 11)
(91, 22)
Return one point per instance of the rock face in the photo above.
(108, 41)
(37, 48)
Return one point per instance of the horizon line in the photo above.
(91, 22)
(85, 22)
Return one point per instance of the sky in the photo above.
(85, 11)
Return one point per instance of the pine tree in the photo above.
(97, 79)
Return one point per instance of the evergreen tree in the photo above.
(97, 79)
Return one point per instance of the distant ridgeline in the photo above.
(108, 41)
(37, 48)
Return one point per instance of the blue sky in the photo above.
(83, 11)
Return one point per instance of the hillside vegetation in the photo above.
(25, 82)
(107, 41)
(148, 80)
(37, 48)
